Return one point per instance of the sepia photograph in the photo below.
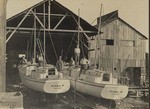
(74, 54)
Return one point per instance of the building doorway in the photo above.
(134, 74)
(137, 76)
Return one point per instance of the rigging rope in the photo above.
(41, 49)
(53, 45)
(30, 45)
(70, 45)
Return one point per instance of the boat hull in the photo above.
(111, 91)
(47, 86)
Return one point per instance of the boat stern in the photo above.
(114, 92)
(56, 86)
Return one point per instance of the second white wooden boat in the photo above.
(47, 80)
(97, 83)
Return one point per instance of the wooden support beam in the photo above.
(51, 30)
(49, 12)
(2, 45)
(60, 21)
(81, 28)
(52, 15)
(38, 19)
(44, 34)
(18, 26)
(8, 31)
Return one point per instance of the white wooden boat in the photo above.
(97, 83)
(41, 76)
(47, 80)
(94, 81)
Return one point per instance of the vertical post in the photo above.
(34, 61)
(49, 12)
(78, 40)
(44, 33)
(78, 27)
(2, 45)
(97, 39)
(99, 33)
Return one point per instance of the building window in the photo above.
(109, 42)
(106, 77)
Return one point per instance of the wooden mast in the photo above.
(34, 59)
(44, 33)
(77, 49)
(99, 35)
(97, 40)
(78, 28)
(2, 45)
(49, 12)
(78, 34)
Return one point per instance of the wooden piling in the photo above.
(2, 45)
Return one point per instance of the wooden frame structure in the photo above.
(50, 16)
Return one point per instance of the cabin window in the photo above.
(109, 42)
(106, 77)
(51, 71)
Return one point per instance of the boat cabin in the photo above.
(38, 72)
(98, 76)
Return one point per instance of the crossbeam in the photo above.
(46, 14)
(81, 28)
(51, 30)
(38, 19)
(18, 26)
(60, 21)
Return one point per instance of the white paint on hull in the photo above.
(46, 86)
(57, 86)
(100, 90)
(114, 92)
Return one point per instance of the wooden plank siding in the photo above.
(128, 49)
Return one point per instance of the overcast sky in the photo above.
(134, 12)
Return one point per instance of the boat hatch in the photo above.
(51, 71)
(106, 77)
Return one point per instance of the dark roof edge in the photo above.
(132, 28)
(114, 15)
(55, 1)
(103, 23)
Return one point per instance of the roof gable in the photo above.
(69, 22)
(108, 17)
(56, 8)
(113, 16)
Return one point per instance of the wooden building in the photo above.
(121, 48)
